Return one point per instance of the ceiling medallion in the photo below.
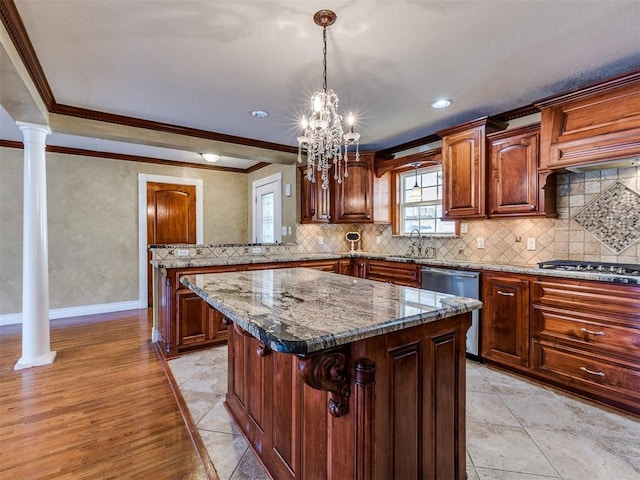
(322, 136)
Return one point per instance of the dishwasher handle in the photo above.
(451, 273)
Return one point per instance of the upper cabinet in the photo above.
(359, 198)
(516, 187)
(464, 168)
(353, 197)
(315, 201)
(597, 124)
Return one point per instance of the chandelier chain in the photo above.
(324, 59)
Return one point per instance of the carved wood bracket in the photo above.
(328, 371)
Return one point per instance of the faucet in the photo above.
(415, 245)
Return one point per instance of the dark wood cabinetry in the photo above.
(315, 201)
(596, 124)
(586, 337)
(505, 319)
(405, 405)
(399, 273)
(186, 322)
(464, 168)
(516, 188)
(354, 200)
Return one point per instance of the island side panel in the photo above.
(405, 420)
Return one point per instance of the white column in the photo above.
(36, 342)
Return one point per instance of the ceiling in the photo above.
(207, 64)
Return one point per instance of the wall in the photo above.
(93, 225)
(289, 204)
(561, 238)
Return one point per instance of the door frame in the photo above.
(143, 179)
(277, 179)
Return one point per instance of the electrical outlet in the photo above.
(480, 242)
(182, 253)
(289, 228)
(256, 250)
(464, 227)
(531, 243)
(378, 239)
(284, 230)
(320, 240)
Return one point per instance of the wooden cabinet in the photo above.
(403, 392)
(596, 124)
(399, 273)
(515, 186)
(187, 323)
(586, 337)
(351, 201)
(353, 197)
(315, 201)
(505, 319)
(464, 168)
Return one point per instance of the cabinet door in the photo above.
(314, 200)
(196, 320)
(353, 198)
(513, 189)
(505, 319)
(464, 168)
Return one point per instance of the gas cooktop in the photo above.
(595, 267)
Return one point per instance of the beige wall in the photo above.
(93, 225)
(289, 204)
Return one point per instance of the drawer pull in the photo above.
(591, 332)
(591, 372)
(506, 294)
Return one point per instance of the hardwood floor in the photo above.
(103, 409)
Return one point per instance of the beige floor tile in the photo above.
(488, 474)
(198, 403)
(578, 457)
(501, 447)
(208, 380)
(547, 412)
(225, 451)
(217, 419)
(250, 468)
(476, 381)
(489, 408)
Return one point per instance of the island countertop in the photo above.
(300, 310)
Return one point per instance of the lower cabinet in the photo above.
(186, 322)
(586, 335)
(505, 319)
(407, 274)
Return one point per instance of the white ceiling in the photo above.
(207, 64)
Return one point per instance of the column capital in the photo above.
(29, 127)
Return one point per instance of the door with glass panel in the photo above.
(267, 211)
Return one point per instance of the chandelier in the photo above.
(322, 135)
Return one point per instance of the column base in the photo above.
(156, 336)
(45, 359)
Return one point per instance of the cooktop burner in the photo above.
(599, 267)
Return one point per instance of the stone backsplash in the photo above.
(505, 240)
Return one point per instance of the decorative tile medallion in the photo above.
(613, 217)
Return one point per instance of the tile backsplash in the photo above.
(570, 236)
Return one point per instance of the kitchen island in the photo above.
(338, 377)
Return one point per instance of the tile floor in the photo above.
(516, 429)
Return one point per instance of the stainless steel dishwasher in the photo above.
(463, 284)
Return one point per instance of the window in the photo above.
(422, 212)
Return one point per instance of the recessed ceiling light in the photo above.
(442, 103)
(259, 114)
(210, 157)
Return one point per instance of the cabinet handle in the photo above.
(591, 332)
(506, 294)
(591, 372)
(226, 321)
(533, 207)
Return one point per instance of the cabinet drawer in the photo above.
(398, 273)
(606, 333)
(587, 296)
(610, 378)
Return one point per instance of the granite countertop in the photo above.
(436, 262)
(301, 310)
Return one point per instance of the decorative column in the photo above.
(36, 342)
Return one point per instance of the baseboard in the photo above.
(68, 312)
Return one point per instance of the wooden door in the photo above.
(171, 218)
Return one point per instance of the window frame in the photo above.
(397, 192)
